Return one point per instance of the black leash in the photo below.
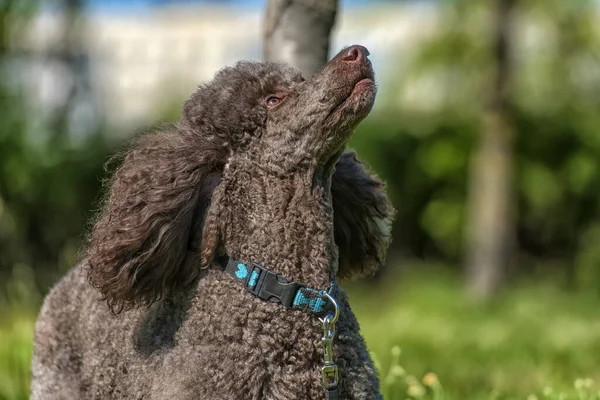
(331, 394)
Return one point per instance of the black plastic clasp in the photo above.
(272, 287)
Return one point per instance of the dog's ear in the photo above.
(362, 217)
(137, 246)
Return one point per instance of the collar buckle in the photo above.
(270, 286)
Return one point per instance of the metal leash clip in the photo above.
(329, 371)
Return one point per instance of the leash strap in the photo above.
(331, 394)
(269, 286)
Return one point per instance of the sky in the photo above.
(143, 5)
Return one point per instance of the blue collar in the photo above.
(269, 286)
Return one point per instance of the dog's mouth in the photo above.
(362, 86)
(358, 101)
(362, 90)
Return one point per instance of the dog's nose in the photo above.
(356, 54)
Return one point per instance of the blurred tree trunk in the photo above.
(4, 11)
(491, 225)
(70, 53)
(297, 32)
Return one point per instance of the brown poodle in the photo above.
(217, 249)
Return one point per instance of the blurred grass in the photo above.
(16, 336)
(534, 342)
(535, 336)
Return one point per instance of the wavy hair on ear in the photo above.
(362, 216)
(137, 246)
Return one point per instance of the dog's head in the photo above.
(269, 113)
(266, 113)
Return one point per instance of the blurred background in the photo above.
(486, 129)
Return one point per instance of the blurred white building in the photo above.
(140, 64)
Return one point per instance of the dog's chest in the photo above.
(236, 345)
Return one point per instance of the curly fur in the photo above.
(362, 217)
(235, 177)
(148, 216)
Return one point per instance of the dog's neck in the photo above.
(284, 223)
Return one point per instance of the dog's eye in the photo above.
(273, 101)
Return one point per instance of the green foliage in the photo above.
(420, 138)
(47, 189)
(49, 178)
(425, 167)
(46, 192)
(534, 337)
